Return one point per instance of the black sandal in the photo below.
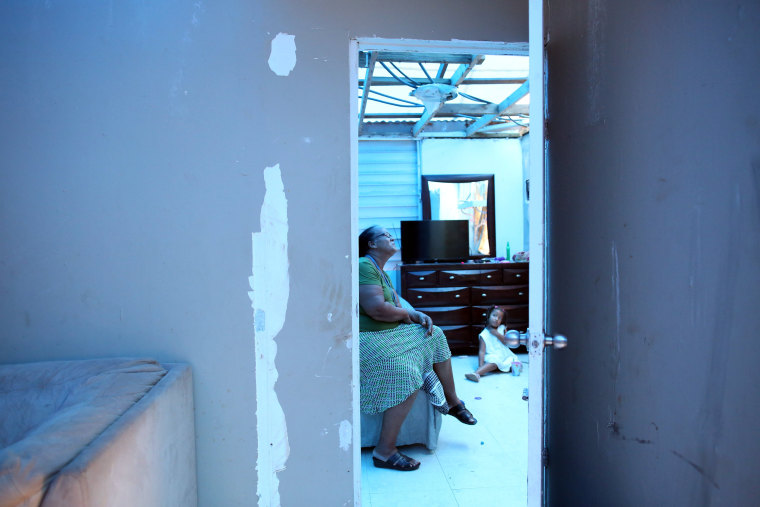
(461, 413)
(396, 461)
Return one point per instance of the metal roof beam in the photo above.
(503, 106)
(365, 89)
(456, 80)
(449, 110)
(426, 117)
(465, 69)
(439, 129)
(389, 81)
(396, 56)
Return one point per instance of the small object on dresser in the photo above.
(521, 257)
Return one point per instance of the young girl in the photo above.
(494, 352)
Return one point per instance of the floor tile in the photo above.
(473, 465)
(422, 496)
(501, 496)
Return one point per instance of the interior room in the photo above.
(443, 143)
(176, 185)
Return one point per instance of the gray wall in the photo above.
(133, 140)
(654, 243)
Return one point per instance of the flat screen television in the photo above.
(434, 240)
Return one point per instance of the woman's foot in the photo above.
(395, 461)
(472, 376)
(460, 412)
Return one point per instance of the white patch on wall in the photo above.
(344, 434)
(270, 289)
(282, 57)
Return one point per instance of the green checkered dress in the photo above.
(393, 363)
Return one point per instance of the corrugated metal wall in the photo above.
(388, 187)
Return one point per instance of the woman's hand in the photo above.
(423, 320)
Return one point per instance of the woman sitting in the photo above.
(398, 347)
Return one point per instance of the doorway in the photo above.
(484, 443)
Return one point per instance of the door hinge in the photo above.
(545, 457)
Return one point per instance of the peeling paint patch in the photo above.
(282, 56)
(270, 290)
(344, 433)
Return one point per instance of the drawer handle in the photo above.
(451, 277)
(520, 293)
(456, 296)
(419, 297)
(517, 275)
(488, 276)
(484, 294)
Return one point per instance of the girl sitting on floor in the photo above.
(494, 353)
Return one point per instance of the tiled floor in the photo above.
(473, 465)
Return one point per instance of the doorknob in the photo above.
(516, 338)
(559, 341)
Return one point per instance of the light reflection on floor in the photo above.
(473, 465)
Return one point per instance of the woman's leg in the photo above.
(393, 418)
(446, 376)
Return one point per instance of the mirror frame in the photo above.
(465, 178)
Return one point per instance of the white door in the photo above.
(537, 274)
(537, 339)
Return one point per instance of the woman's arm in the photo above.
(374, 304)
(416, 316)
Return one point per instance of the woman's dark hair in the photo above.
(365, 237)
(491, 309)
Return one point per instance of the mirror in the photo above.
(463, 197)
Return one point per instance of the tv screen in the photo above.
(434, 240)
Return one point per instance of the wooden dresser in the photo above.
(457, 296)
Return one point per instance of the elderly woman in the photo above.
(398, 347)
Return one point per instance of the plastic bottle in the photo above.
(509, 256)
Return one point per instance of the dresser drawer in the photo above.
(439, 296)
(421, 279)
(460, 339)
(478, 315)
(500, 294)
(470, 277)
(447, 315)
(515, 312)
(459, 277)
(515, 275)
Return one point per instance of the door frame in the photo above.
(534, 49)
(537, 402)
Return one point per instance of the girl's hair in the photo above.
(365, 237)
(491, 309)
